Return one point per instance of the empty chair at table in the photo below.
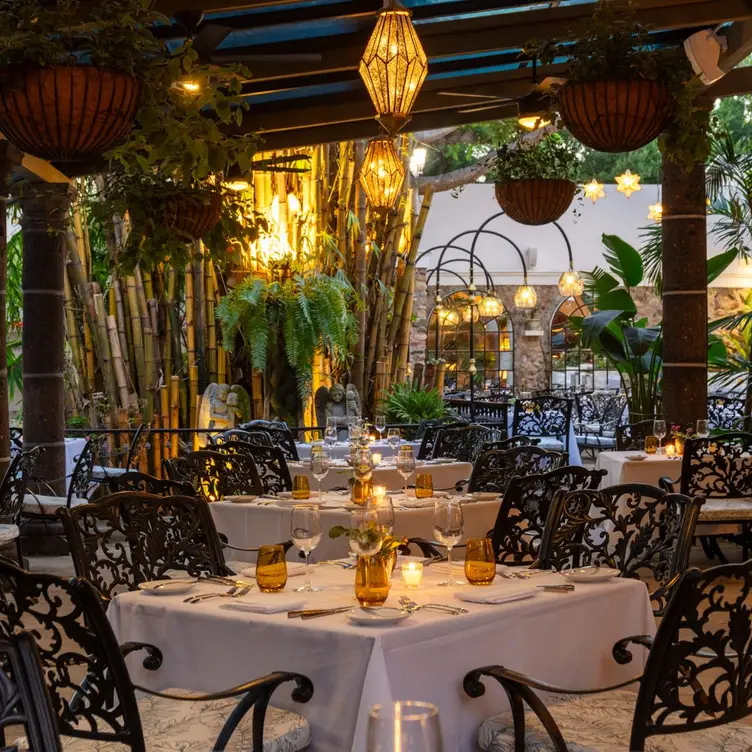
(15, 435)
(215, 475)
(494, 469)
(694, 684)
(429, 429)
(518, 531)
(631, 436)
(138, 446)
(725, 412)
(513, 442)
(12, 493)
(462, 443)
(599, 414)
(270, 463)
(257, 438)
(278, 432)
(95, 699)
(546, 416)
(135, 481)
(643, 531)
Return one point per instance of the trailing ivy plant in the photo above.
(548, 158)
(311, 312)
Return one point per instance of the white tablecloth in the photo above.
(621, 469)
(73, 449)
(250, 525)
(341, 449)
(562, 639)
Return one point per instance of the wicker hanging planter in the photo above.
(535, 201)
(67, 113)
(192, 215)
(615, 116)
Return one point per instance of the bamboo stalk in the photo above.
(221, 365)
(195, 409)
(154, 325)
(174, 415)
(211, 325)
(120, 321)
(172, 312)
(164, 409)
(71, 330)
(199, 313)
(89, 351)
(190, 329)
(138, 338)
(399, 364)
(156, 445)
(193, 395)
(149, 371)
(361, 287)
(117, 361)
(105, 356)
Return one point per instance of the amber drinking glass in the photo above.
(651, 444)
(301, 489)
(480, 567)
(271, 569)
(371, 581)
(423, 486)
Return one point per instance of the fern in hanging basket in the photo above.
(533, 178)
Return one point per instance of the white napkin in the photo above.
(293, 570)
(266, 603)
(413, 503)
(494, 594)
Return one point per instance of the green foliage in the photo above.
(13, 286)
(14, 365)
(549, 158)
(405, 404)
(311, 312)
(604, 166)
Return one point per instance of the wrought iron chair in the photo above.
(278, 432)
(725, 412)
(270, 463)
(697, 666)
(720, 469)
(462, 443)
(638, 529)
(599, 414)
(257, 438)
(15, 435)
(495, 468)
(632, 436)
(518, 531)
(134, 481)
(98, 701)
(546, 416)
(24, 698)
(215, 475)
(138, 445)
(513, 442)
(427, 432)
(12, 493)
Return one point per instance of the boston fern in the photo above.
(310, 313)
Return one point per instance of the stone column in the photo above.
(45, 215)
(685, 295)
(10, 157)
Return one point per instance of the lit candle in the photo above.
(379, 493)
(412, 573)
(670, 450)
(376, 458)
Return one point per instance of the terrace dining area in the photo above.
(267, 484)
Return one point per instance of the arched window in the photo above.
(493, 344)
(573, 366)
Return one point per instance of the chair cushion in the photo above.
(603, 723)
(597, 442)
(171, 725)
(8, 533)
(41, 504)
(549, 442)
(102, 473)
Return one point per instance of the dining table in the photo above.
(565, 639)
(341, 449)
(267, 520)
(636, 467)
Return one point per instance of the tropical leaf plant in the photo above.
(406, 404)
(310, 313)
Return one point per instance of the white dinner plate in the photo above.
(377, 616)
(167, 587)
(240, 499)
(484, 496)
(636, 457)
(591, 574)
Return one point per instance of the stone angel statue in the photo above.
(223, 407)
(338, 403)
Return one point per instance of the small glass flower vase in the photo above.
(371, 581)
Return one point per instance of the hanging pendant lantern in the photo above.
(571, 284)
(593, 190)
(393, 66)
(628, 183)
(382, 174)
(490, 307)
(525, 296)
(655, 211)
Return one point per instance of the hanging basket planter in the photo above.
(617, 115)
(192, 215)
(67, 113)
(535, 201)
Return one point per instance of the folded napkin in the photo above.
(413, 503)
(266, 603)
(293, 570)
(494, 594)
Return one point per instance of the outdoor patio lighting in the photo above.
(628, 183)
(447, 316)
(418, 160)
(525, 296)
(593, 190)
(571, 284)
(490, 307)
(393, 66)
(191, 87)
(293, 203)
(655, 211)
(382, 174)
(533, 122)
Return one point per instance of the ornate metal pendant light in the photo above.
(393, 66)
(525, 296)
(382, 174)
(571, 285)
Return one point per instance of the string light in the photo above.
(418, 160)
(628, 183)
(593, 190)
(192, 87)
(533, 122)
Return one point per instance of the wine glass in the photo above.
(379, 423)
(384, 509)
(448, 525)
(319, 466)
(404, 727)
(703, 429)
(393, 439)
(368, 537)
(659, 431)
(330, 436)
(405, 466)
(305, 532)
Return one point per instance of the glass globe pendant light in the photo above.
(571, 284)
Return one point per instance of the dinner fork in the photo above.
(234, 592)
(410, 605)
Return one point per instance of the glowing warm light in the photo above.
(655, 211)
(448, 316)
(192, 87)
(533, 122)
(470, 311)
(418, 160)
(525, 296)
(274, 210)
(238, 185)
(571, 284)
(293, 203)
(490, 306)
(593, 190)
(628, 183)
(383, 174)
(412, 574)
(393, 66)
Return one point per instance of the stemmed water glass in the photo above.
(393, 439)
(379, 423)
(368, 538)
(405, 463)
(404, 727)
(659, 431)
(448, 528)
(305, 533)
(319, 465)
(384, 509)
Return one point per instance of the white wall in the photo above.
(614, 214)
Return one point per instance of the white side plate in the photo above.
(377, 616)
(592, 574)
(167, 587)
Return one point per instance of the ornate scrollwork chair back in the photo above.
(725, 412)
(24, 698)
(215, 475)
(718, 466)
(587, 408)
(495, 468)
(518, 531)
(429, 429)
(462, 443)
(138, 446)
(270, 462)
(632, 436)
(513, 442)
(544, 415)
(256, 438)
(278, 432)
(135, 481)
(83, 471)
(13, 486)
(129, 537)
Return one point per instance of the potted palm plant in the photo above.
(533, 179)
